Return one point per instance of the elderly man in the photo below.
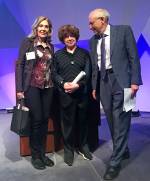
(115, 66)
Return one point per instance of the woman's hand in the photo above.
(20, 95)
(70, 87)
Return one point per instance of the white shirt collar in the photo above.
(107, 30)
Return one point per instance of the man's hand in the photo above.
(134, 89)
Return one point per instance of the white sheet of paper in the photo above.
(129, 101)
(79, 77)
(30, 55)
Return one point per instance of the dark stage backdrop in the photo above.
(17, 16)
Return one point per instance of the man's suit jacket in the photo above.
(123, 56)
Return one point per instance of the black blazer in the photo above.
(62, 69)
(24, 67)
(123, 56)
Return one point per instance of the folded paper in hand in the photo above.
(79, 77)
(129, 100)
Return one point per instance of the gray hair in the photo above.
(102, 13)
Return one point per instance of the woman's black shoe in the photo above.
(47, 161)
(68, 158)
(38, 164)
(68, 161)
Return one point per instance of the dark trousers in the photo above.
(74, 121)
(39, 102)
(112, 97)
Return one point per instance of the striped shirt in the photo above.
(68, 65)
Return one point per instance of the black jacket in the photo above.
(67, 67)
(24, 67)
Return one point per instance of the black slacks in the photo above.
(39, 102)
(74, 120)
(112, 97)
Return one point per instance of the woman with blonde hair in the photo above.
(34, 84)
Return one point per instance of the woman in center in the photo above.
(68, 63)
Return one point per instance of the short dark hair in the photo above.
(68, 30)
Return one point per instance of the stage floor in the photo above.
(137, 168)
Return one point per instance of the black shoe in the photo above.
(111, 172)
(47, 161)
(126, 155)
(86, 154)
(68, 158)
(68, 161)
(38, 163)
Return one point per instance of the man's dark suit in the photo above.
(125, 72)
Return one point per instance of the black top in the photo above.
(68, 65)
